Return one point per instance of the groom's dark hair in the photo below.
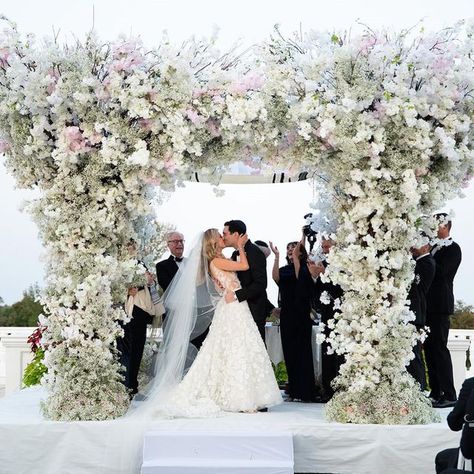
(236, 226)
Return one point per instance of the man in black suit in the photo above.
(462, 413)
(253, 280)
(440, 306)
(166, 269)
(425, 269)
(330, 361)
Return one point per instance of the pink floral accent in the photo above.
(4, 146)
(153, 181)
(54, 76)
(213, 128)
(404, 411)
(420, 172)
(192, 115)
(251, 81)
(75, 139)
(146, 124)
(4, 55)
(170, 165)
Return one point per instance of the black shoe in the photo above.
(443, 403)
(263, 410)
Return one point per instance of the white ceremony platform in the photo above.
(30, 444)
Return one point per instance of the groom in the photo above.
(253, 280)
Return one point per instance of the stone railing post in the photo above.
(458, 348)
(18, 355)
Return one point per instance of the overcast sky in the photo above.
(271, 211)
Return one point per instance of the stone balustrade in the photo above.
(15, 354)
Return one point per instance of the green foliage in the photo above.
(35, 370)
(280, 373)
(463, 317)
(24, 312)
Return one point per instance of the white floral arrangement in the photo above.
(386, 119)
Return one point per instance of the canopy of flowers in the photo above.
(386, 120)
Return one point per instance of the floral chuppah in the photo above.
(386, 120)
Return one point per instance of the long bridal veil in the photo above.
(189, 301)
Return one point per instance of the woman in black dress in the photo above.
(296, 290)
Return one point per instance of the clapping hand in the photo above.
(297, 251)
(274, 249)
(132, 291)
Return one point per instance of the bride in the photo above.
(232, 371)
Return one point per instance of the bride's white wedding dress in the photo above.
(232, 371)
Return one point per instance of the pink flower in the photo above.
(420, 172)
(366, 43)
(170, 165)
(213, 128)
(153, 181)
(404, 411)
(251, 81)
(75, 139)
(4, 55)
(146, 124)
(192, 115)
(218, 99)
(4, 146)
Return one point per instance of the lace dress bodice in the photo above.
(228, 280)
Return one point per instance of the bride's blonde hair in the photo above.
(210, 245)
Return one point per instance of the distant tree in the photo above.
(463, 317)
(24, 312)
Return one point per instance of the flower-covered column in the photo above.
(371, 261)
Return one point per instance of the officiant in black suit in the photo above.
(425, 268)
(166, 269)
(440, 306)
(253, 280)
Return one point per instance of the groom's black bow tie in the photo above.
(178, 259)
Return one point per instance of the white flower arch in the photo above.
(385, 119)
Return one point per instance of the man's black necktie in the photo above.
(178, 259)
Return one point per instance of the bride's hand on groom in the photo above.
(229, 296)
(243, 238)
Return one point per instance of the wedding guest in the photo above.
(425, 268)
(166, 269)
(263, 246)
(296, 292)
(458, 419)
(326, 295)
(140, 308)
(440, 306)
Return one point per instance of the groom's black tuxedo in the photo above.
(254, 285)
